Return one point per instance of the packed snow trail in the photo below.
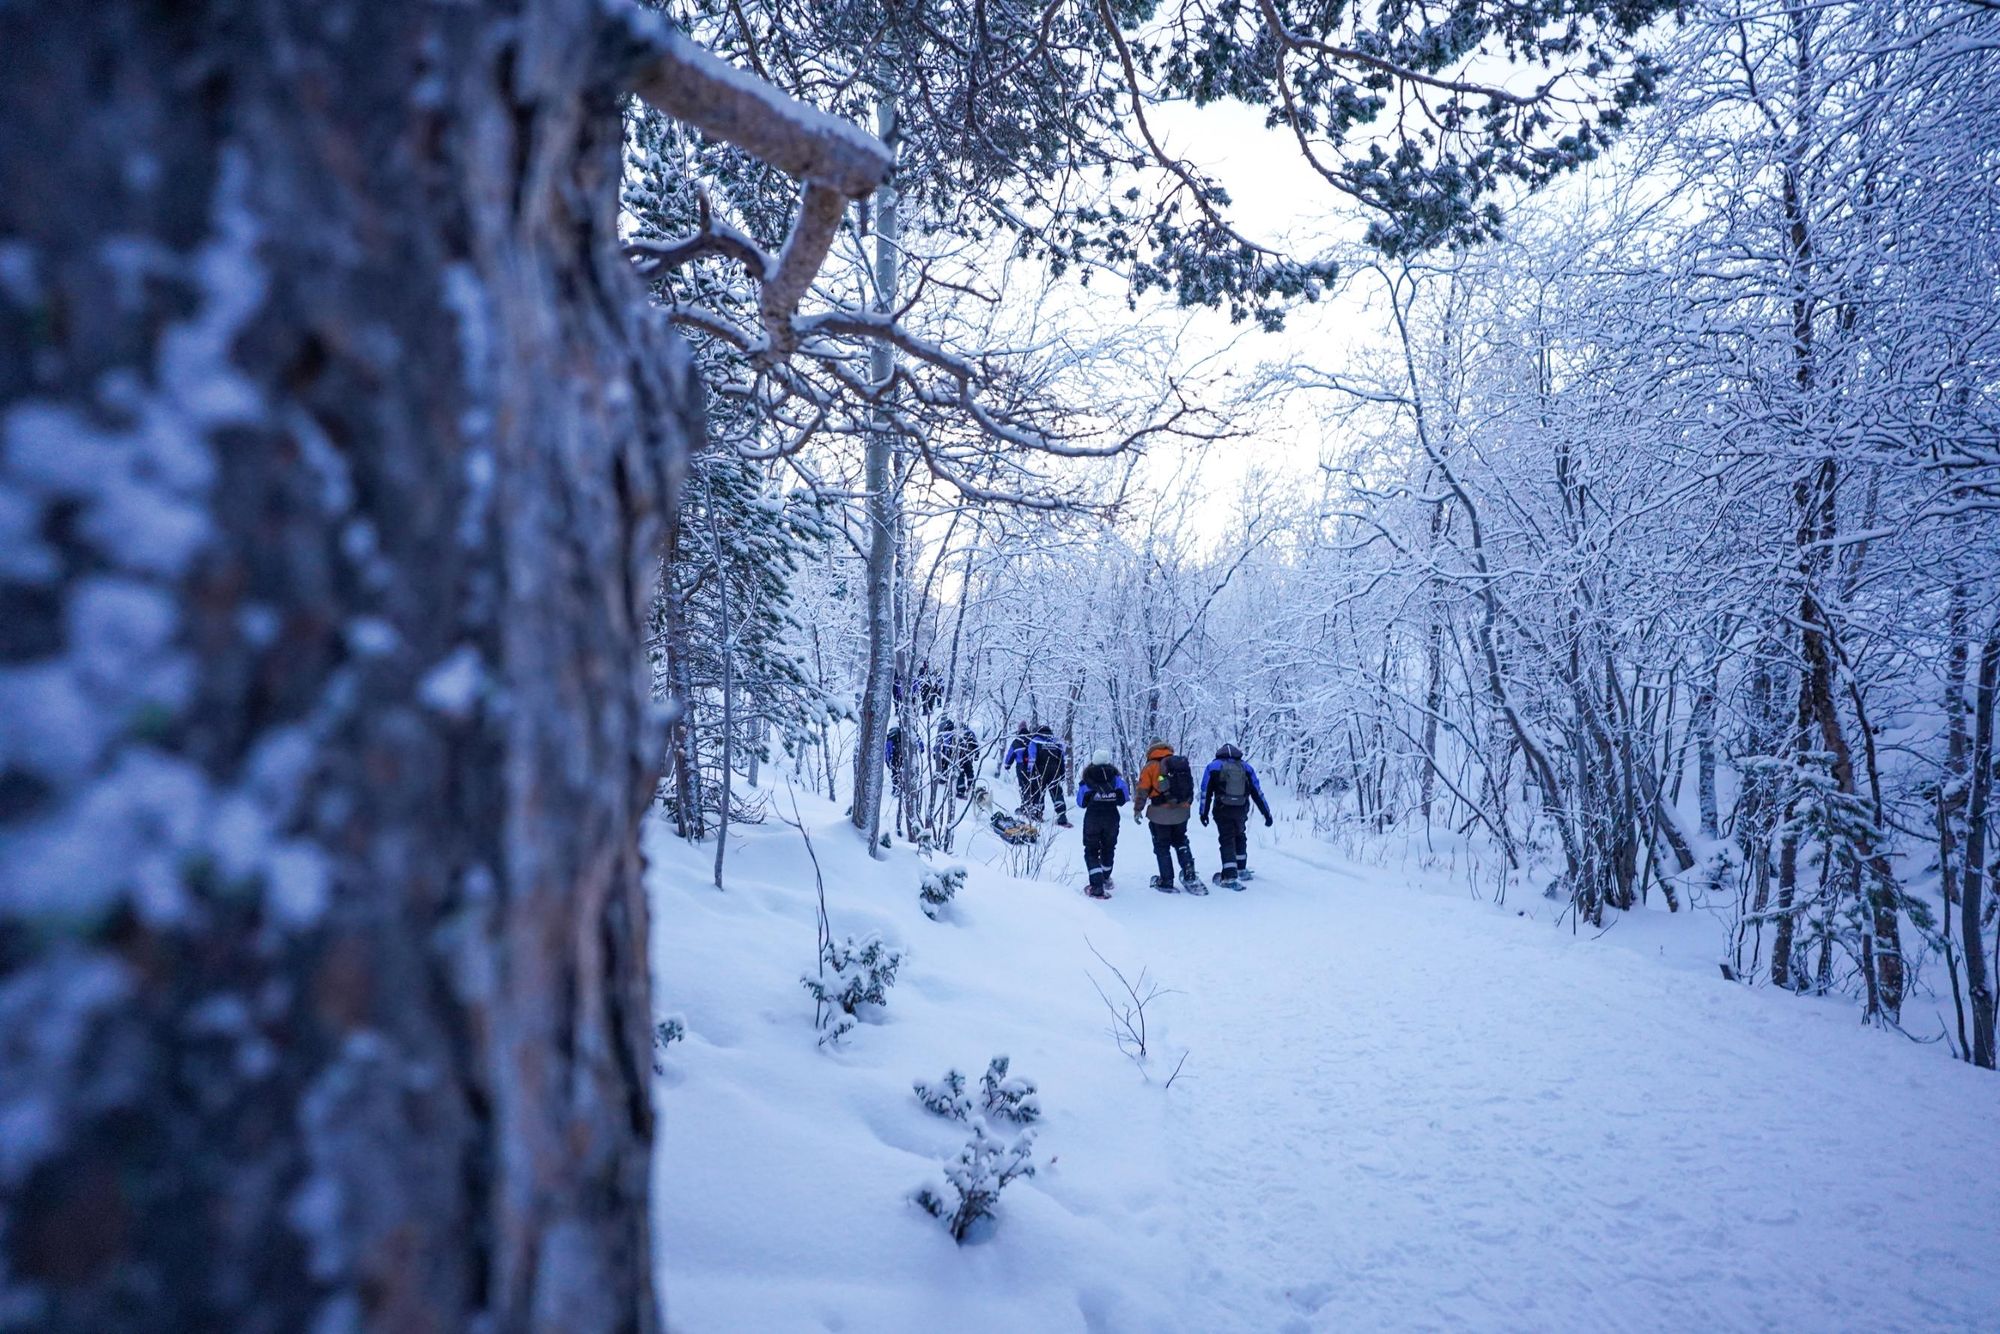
(1400, 1110)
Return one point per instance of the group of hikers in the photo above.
(954, 752)
(1165, 799)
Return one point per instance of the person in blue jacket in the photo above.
(1016, 758)
(1099, 794)
(892, 752)
(1228, 787)
(1046, 764)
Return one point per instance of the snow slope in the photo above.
(1400, 1110)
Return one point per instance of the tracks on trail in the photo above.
(1409, 1111)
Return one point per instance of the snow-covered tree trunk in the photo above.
(1979, 983)
(728, 696)
(336, 439)
(876, 703)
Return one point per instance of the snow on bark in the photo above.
(334, 440)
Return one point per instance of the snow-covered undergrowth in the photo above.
(1401, 1109)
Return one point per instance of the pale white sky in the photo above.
(1277, 198)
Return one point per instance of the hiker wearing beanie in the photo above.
(1099, 794)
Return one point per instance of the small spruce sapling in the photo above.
(852, 973)
(666, 1033)
(983, 1169)
(1010, 1099)
(947, 1097)
(939, 887)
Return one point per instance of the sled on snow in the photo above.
(1011, 827)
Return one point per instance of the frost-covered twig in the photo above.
(824, 941)
(1128, 1016)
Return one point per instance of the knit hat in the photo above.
(1101, 757)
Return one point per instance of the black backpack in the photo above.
(1176, 781)
(1232, 786)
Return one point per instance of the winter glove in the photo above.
(1267, 822)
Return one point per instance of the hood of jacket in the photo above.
(1159, 750)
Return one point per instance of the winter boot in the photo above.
(1191, 882)
(1164, 886)
(1062, 822)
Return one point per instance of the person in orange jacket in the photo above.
(1164, 800)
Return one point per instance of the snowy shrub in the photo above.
(947, 1097)
(666, 1033)
(852, 973)
(976, 1177)
(938, 889)
(1010, 1099)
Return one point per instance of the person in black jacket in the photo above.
(1047, 765)
(892, 754)
(1228, 787)
(956, 753)
(1099, 795)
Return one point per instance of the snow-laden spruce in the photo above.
(940, 886)
(975, 1178)
(1009, 1097)
(853, 973)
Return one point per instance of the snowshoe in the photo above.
(1231, 879)
(1191, 883)
(1245, 873)
(1102, 891)
(1062, 822)
(1164, 886)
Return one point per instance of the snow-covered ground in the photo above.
(1400, 1110)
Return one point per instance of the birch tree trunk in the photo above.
(336, 440)
(876, 703)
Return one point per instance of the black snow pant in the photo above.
(1170, 842)
(1229, 836)
(1036, 789)
(1100, 843)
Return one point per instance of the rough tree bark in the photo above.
(337, 438)
(334, 443)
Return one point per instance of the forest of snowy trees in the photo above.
(435, 440)
(1652, 543)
